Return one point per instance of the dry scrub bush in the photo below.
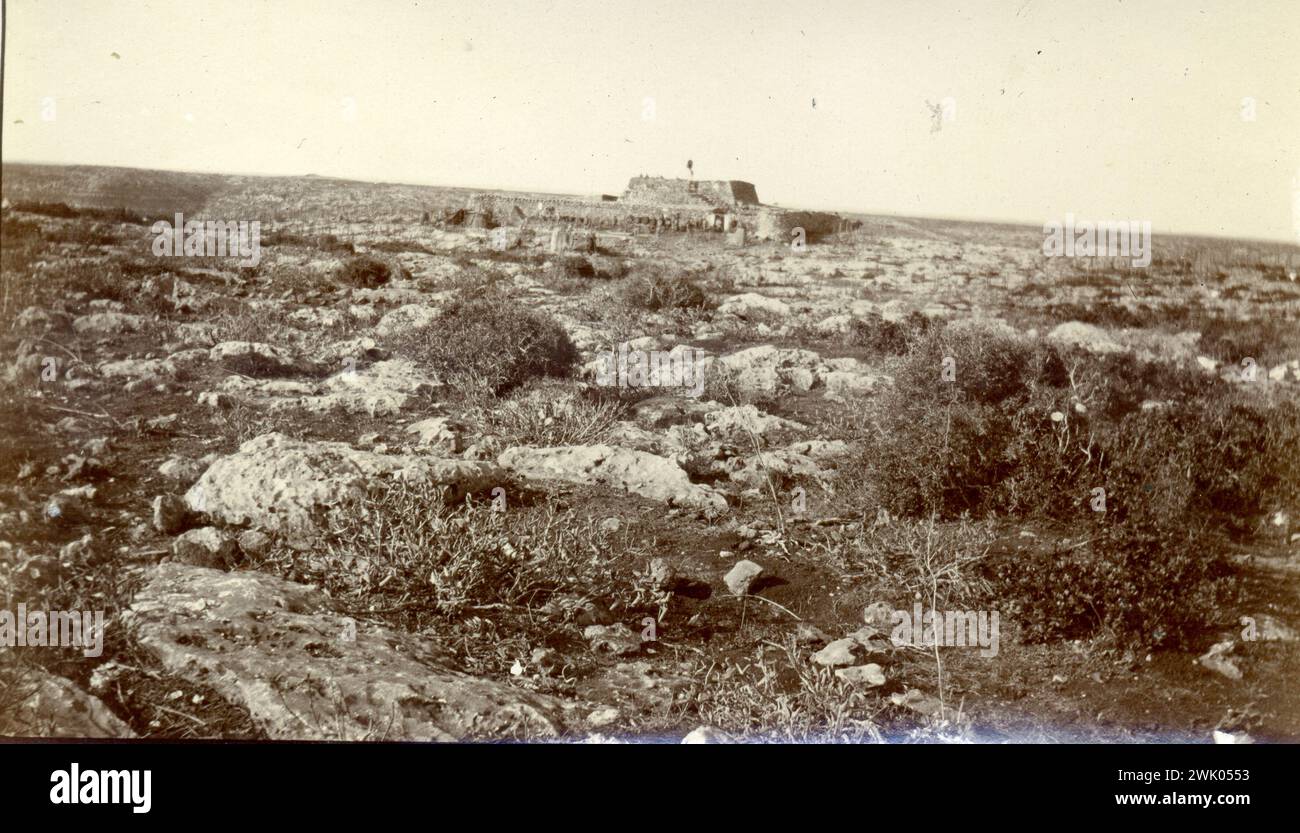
(364, 272)
(656, 292)
(551, 413)
(1026, 430)
(404, 551)
(781, 698)
(888, 338)
(490, 345)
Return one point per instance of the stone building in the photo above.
(658, 190)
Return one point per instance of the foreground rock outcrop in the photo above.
(638, 472)
(304, 671)
(54, 707)
(285, 485)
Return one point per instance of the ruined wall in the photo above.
(744, 193)
(513, 210)
(655, 204)
(778, 224)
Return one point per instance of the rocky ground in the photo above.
(314, 504)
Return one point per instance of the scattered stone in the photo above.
(404, 319)
(66, 508)
(869, 674)
(806, 633)
(197, 334)
(150, 370)
(108, 323)
(661, 573)
(48, 706)
(871, 639)
(382, 389)
(171, 515)
(603, 716)
(79, 551)
(38, 320)
(879, 615)
(750, 303)
(834, 324)
(105, 675)
(739, 424)
(741, 577)
(206, 547)
(919, 702)
(182, 469)
(346, 355)
(838, 653)
(254, 542)
(637, 472)
(1088, 336)
(769, 369)
(708, 734)
(617, 639)
(1217, 659)
(437, 433)
(842, 383)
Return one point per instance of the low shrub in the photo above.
(1145, 583)
(364, 272)
(491, 345)
(327, 243)
(1021, 429)
(398, 247)
(657, 292)
(883, 337)
(549, 413)
(402, 547)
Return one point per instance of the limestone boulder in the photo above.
(49, 706)
(305, 671)
(284, 485)
(638, 472)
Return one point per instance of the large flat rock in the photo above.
(286, 485)
(305, 671)
(638, 472)
(54, 707)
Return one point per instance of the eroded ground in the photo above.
(309, 510)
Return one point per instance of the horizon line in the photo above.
(1029, 224)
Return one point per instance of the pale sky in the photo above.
(1104, 109)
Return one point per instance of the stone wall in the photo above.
(490, 210)
(656, 204)
(778, 224)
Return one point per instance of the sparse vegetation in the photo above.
(491, 345)
(365, 272)
(655, 292)
(1026, 430)
(403, 549)
(970, 484)
(550, 413)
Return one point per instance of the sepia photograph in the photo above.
(412, 374)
